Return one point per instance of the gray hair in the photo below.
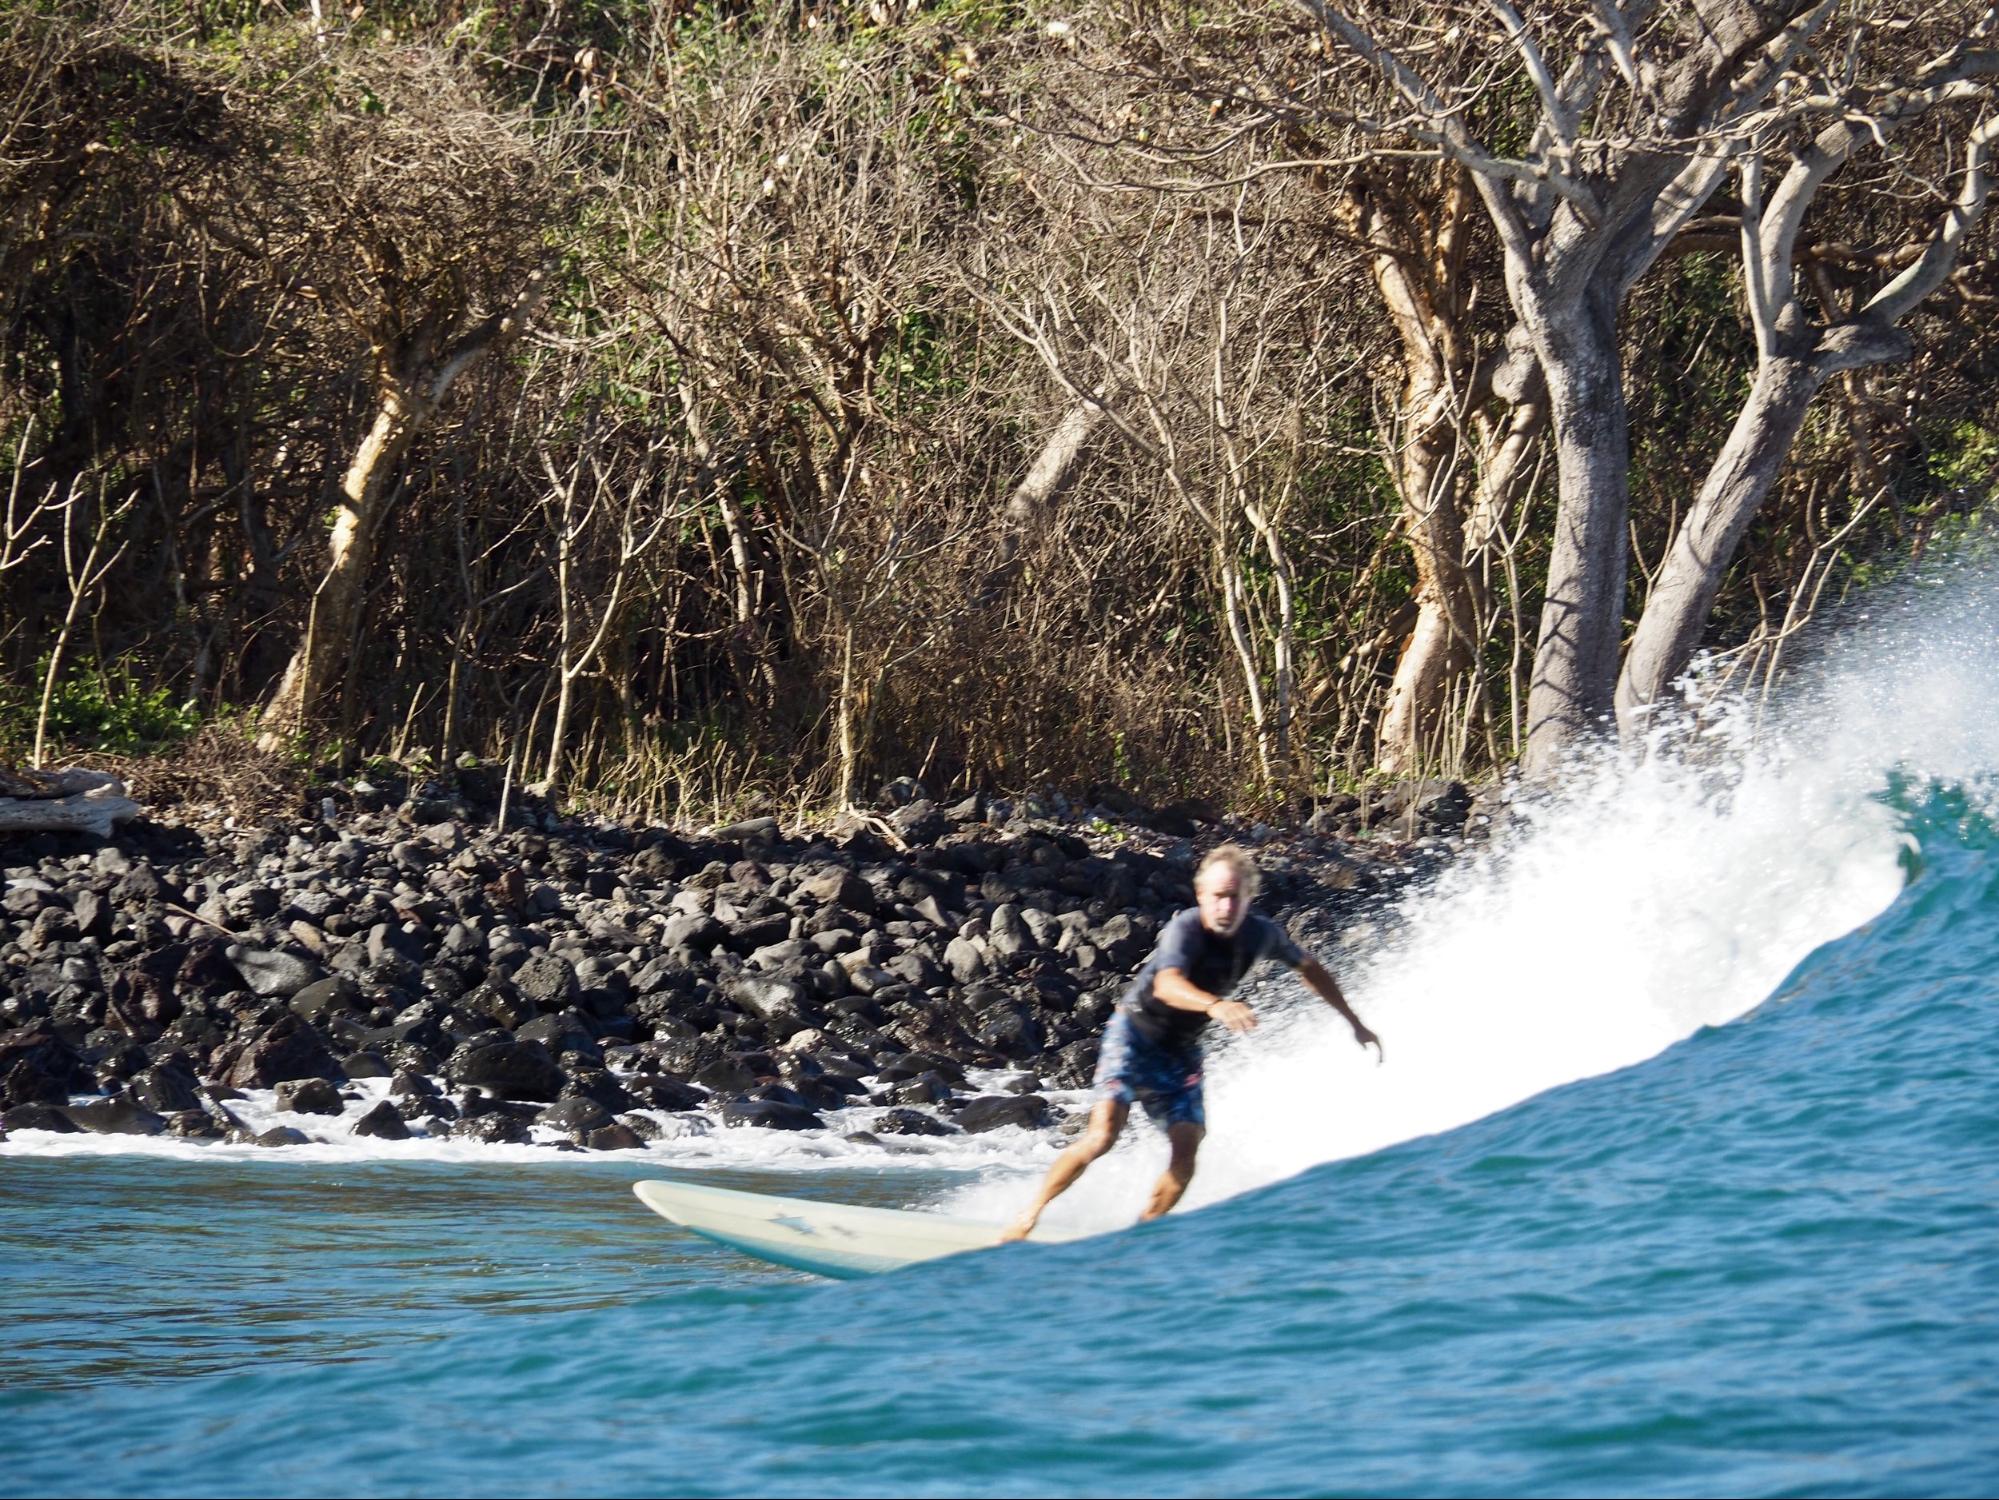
(1238, 859)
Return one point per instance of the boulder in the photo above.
(837, 887)
(323, 999)
(194, 1125)
(662, 1093)
(784, 1005)
(288, 1049)
(547, 981)
(37, 1066)
(574, 1116)
(516, 1069)
(309, 1096)
(563, 1032)
(407, 1085)
(115, 1116)
(273, 973)
(165, 1090)
(925, 1088)
(498, 1129)
(384, 1122)
(991, 1111)
(616, 1136)
(911, 1122)
(769, 1114)
(37, 1116)
(502, 1004)
(282, 1135)
(965, 959)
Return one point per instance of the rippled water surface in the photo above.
(1682, 1178)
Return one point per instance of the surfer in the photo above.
(1151, 1051)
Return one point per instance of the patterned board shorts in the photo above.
(1166, 1082)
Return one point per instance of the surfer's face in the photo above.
(1219, 894)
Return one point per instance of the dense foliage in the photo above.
(686, 381)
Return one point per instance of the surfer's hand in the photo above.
(1234, 1015)
(1365, 1038)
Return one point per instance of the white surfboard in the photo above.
(829, 1239)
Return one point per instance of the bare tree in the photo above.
(434, 270)
(1798, 352)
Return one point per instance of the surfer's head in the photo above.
(1224, 886)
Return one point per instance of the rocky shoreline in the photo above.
(578, 983)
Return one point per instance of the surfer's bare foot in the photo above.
(1019, 1229)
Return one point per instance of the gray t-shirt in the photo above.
(1210, 961)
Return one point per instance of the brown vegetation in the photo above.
(692, 409)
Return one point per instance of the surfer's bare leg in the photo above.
(1185, 1139)
(1106, 1123)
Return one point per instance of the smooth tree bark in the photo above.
(1581, 216)
(1795, 357)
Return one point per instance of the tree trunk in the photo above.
(1570, 698)
(1705, 543)
(1029, 506)
(1429, 476)
(365, 490)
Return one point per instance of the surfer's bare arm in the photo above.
(1327, 988)
(1172, 987)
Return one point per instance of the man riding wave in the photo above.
(1151, 1051)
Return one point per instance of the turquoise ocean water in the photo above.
(1752, 1250)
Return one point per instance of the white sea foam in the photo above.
(1640, 903)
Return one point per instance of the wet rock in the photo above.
(282, 1135)
(598, 1085)
(366, 1063)
(911, 1122)
(491, 1129)
(563, 1032)
(165, 1090)
(925, 1088)
(906, 1065)
(36, 1115)
(645, 1128)
(574, 1116)
(992, 1111)
(769, 1114)
(406, 1085)
(384, 1122)
(36, 1066)
(616, 1136)
(518, 1069)
(662, 1091)
(289, 1049)
(308, 1096)
(115, 1116)
(194, 1125)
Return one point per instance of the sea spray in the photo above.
(1642, 899)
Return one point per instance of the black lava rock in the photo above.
(991, 1111)
(385, 1122)
(768, 1114)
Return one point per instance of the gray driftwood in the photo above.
(75, 801)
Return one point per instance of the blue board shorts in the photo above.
(1166, 1081)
